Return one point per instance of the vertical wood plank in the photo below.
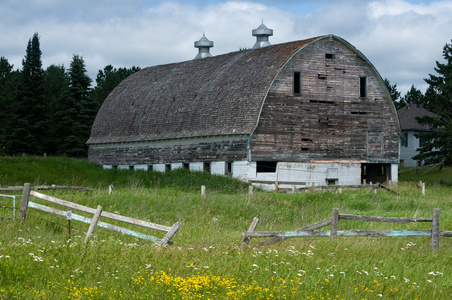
(435, 229)
(170, 234)
(24, 202)
(423, 189)
(253, 225)
(334, 224)
(93, 224)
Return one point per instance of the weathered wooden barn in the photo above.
(308, 112)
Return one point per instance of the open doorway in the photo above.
(375, 173)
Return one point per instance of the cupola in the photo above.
(203, 46)
(262, 33)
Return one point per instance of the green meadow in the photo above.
(39, 261)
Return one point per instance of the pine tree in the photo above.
(27, 109)
(80, 113)
(413, 96)
(107, 79)
(395, 94)
(437, 144)
(56, 85)
(8, 88)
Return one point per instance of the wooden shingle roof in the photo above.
(407, 117)
(221, 95)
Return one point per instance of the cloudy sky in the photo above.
(402, 38)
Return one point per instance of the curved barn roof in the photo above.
(220, 95)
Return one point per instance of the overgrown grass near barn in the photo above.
(37, 261)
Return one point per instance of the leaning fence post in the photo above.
(166, 239)
(334, 221)
(93, 223)
(246, 240)
(24, 203)
(435, 229)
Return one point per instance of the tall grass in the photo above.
(37, 261)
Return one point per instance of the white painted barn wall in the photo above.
(175, 166)
(141, 167)
(218, 168)
(196, 166)
(159, 167)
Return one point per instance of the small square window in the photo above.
(329, 55)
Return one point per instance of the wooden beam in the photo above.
(381, 219)
(252, 227)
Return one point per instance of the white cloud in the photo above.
(402, 39)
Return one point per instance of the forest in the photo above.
(51, 111)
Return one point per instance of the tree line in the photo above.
(51, 111)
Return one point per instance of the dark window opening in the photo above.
(329, 55)
(168, 167)
(306, 140)
(186, 166)
(304, 149)
(150, 167)
(363, 87)
(206, 167)
(322, 101)
(323, 120)
(228, 168)
(331, 181)
(359, 113)
(297, 82)
(130, 167)
(114, 167)
(322, 76)
(266, 166)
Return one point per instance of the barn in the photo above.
(307, 112)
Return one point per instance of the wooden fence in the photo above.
(25, 203)
(311, 230)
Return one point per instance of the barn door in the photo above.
(375, 143)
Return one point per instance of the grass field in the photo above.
(37, 261)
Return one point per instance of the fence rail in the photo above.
(311, 230)
(27, 192)
(13, 208)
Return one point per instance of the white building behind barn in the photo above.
(308, 112)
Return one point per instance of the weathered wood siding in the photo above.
(222, 148)
(328, 119)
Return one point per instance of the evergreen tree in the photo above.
(437, 144)
(56, 85)
(80, 113)
(395, 94)
(413, 96)
(27, 109)
(8, 88)
(107, 79)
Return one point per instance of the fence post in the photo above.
(246, 240)
(334, 221)
(93, 223)
(435, 229)
(166, 239)
(24, 203)
(203, 190)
